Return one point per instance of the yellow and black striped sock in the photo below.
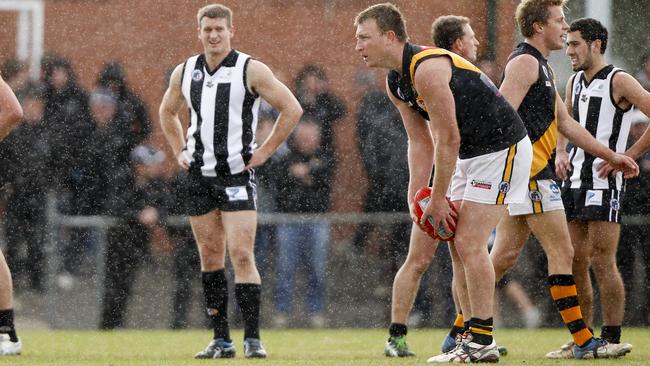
(565, 297)
(458, 325)
(481, 330)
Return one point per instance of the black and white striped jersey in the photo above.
(223, 115)
(594, 107)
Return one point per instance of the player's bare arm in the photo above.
(420, 149)
(562, 164)
(262, 81)
(10, 110)
(170, 106)
(432, 83)
(520, 74)
(627, 90)
(579, 136)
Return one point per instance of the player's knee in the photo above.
(563, 256)
(242, 258)
(604, 265)
(504, 262)
(420, 266)
(417, 264)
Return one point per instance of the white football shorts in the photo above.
(496, 178)
(543, 195)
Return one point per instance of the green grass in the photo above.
(289, 347)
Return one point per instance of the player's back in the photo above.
(486, 122)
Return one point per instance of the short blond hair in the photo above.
(214, 11)
(388, 18)
(530, 12)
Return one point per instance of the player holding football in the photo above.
(444, 98)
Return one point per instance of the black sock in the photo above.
(397, 330)
(215, 291)
(465, 327)
(458, 325)
(248, 299)
(611, 333)
(481, 330)
(7, 324)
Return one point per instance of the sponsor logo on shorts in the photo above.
(535, 196)
(197, 75)
(594, 198)
(555, 192)
(614, 204)
(237, 193)
(481, 184)
(504, 187)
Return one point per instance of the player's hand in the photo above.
(619, 162)
(259, 157)
(440, 212)
(182, 162)
(562, 165)
(414, 216)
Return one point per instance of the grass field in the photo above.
(288, 347)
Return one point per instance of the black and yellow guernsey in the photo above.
(486, 121)
(538, 110)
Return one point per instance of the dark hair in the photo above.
(591, 29)
(446, 29)
(388, 18)
(309, 70)
(50, 62)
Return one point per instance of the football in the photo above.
(422, 198)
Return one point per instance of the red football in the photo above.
(422, 198)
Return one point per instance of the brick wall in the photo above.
(151, 36)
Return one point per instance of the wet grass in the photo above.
(288, 347)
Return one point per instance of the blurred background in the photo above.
(90, 231)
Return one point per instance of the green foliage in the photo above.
(288, 347)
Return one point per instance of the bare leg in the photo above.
(210, 239)
(475, 223)
(240, 227)
(6, 285)
(422, 249)
(556, 242)
(604, 238)
(512, 233)
(519, 296)
(459, 285)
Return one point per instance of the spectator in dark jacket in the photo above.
(141, 209)
(304, 188)
(319, 102)
(103, 166)
(25, 156)
(134, 115)
(67, 117)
